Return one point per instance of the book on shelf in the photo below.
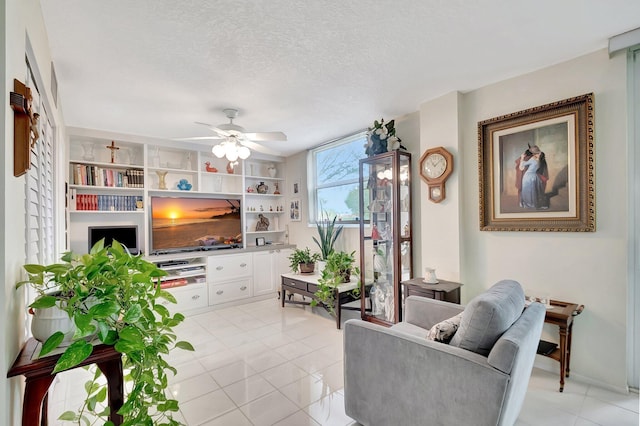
(171, 283)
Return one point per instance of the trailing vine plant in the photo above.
(114, 296)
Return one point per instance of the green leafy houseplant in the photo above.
(115, 297)
(328, 233)
(340, 266)
(303, 260)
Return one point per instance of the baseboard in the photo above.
(552, 366)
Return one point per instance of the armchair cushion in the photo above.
(489, 315)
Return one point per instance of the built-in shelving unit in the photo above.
(116, 191)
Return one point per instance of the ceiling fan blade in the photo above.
(257, 147)
(201, 138)
(215, 129)
(267, 136)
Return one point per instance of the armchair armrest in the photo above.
(426, 313)
(395, 378)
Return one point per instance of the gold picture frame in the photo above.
(537, 168)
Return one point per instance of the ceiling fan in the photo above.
(235, 140)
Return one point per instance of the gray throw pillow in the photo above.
(444, 331)
(488, 315)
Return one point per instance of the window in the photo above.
(333, 173)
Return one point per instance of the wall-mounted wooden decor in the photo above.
(20, 104)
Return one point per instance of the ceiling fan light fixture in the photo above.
(243, 152)
(232, 155)
(218, 150)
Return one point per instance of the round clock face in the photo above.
(434, 165)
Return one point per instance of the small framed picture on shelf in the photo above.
(260, 241)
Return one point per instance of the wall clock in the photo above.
(436, 165)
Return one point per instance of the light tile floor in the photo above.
(259, 364)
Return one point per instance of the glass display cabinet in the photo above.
(385, 234)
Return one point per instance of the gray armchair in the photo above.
(395, 376)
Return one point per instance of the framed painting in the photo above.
(537, 168)
(294, 210)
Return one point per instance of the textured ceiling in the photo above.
(314, 70)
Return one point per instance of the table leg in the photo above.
(569, 333)
(34, 393)
(284, 295)
(338, 308)
(563, 355)
(112, 371)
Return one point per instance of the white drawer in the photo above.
(221, 268)
(228, 291)
(192, 296)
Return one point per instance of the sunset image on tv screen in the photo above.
(194, 222)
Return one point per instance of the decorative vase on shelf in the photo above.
(262, 188)
(155, 158)
(162, 184)
(87, 148)
(272, 170)
(186, 163)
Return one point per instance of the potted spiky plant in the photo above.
(328, 233)
(114, 296)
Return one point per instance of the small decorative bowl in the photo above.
(184, 185)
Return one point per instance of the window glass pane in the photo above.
(341, 201)
(339, 163)
(335, 174)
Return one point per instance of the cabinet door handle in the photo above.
(219, 292)
(195, 297)
(243, 288)
(219, 268)
(242, 265)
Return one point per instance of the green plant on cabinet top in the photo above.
(114, 296)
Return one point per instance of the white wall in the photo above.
(586, 268)
(20, 19)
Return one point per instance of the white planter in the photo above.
(47, 321)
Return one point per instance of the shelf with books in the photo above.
(104, 202)
(105, 175)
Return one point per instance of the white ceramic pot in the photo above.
(47, 321)
(321, 265)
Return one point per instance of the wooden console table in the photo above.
(38, 373)
(307, 285)
(448, 291)
(562, 314)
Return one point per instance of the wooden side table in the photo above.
(448, 291)
(38, 374)
(307, 285)
(562, 314)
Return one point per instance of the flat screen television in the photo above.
(127, 235)
(187, 223)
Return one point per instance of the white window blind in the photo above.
(39, 187)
